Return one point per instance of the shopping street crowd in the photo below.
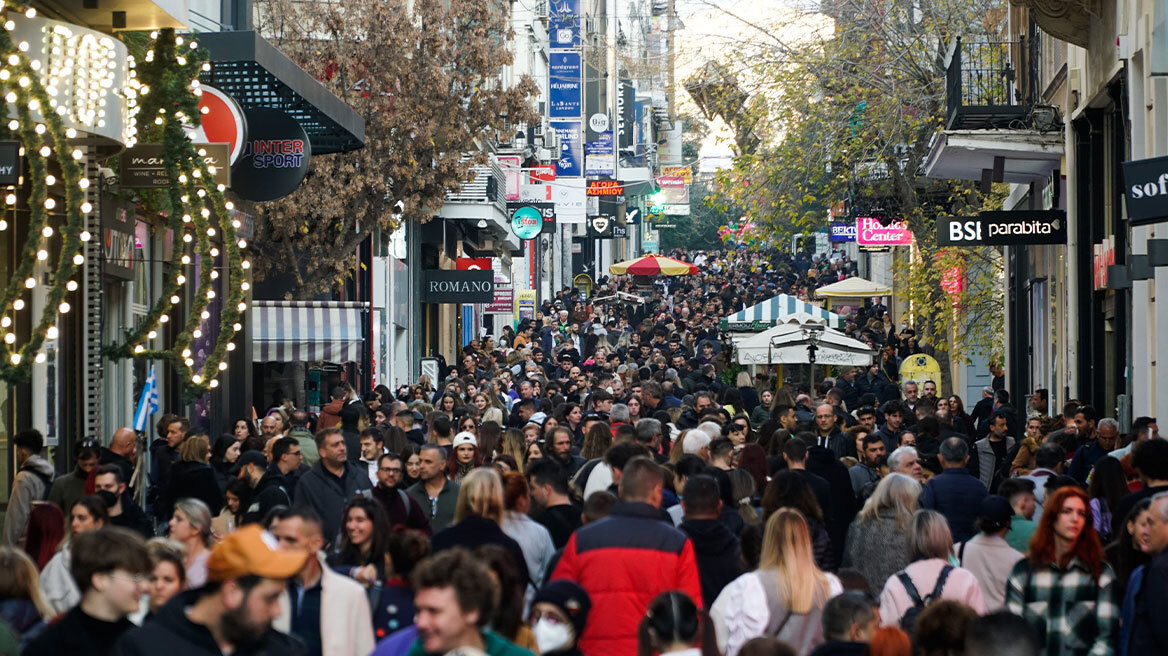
(603, 481)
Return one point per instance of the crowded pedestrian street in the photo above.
(583, 328)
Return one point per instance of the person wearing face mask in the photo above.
(559, 613)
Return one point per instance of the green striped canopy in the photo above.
(771, 311)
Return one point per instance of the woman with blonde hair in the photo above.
(875, 545)
(22, 606)
(783, 598)
(514, 444)
(478, 518)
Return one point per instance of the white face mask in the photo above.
(550, 636)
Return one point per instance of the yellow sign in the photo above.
(683, 172)
(524, 304)
(921, 367)
(583, 283)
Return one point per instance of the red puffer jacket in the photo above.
(624, 561)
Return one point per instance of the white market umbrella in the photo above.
(853, 287)
(787, 344)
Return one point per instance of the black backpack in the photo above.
(910, 616)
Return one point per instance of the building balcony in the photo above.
(992, 83)
(996, 127)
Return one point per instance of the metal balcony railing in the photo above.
(992, 83)
(486, 185)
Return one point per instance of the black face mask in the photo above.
(108, 498)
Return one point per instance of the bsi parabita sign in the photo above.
(446, 286)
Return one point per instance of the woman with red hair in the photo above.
(1064, 588)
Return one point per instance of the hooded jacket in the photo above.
(170, 632)
(330, 414)
(31, 484)
(271, 491)
(718, 553)
(623, 561)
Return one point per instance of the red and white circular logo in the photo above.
(222, 121)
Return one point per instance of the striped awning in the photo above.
(771, 311)
(307, 331)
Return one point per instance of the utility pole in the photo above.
(613, 91)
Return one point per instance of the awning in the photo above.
(307, 331)
(253, 72)
(771, 311)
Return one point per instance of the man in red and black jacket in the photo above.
(627, 559)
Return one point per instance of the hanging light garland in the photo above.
(21, 85)
(163, 98)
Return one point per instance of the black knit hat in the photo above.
(568, 597)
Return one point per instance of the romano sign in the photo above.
(445, 286)
(1146, 190)
(1017, 228)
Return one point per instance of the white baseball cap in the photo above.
(465, 437)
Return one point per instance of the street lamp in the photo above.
(812, 333)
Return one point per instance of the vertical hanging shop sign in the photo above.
(564, 23)
(564, 94)
(571, 162)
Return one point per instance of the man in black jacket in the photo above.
(232, 612)
(268, 486)
(110, 566)
(718, 552)
(123, 511)
(849, 622)
(823, 463)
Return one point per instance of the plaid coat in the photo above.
(1073, 613)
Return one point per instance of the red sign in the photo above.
(543, 173)
(605, 188)
(671, 182)
(221, 121)
(473, 264)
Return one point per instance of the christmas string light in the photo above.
(42, 137)
(156, 89)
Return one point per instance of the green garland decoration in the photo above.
(21, 84)
(167, 99)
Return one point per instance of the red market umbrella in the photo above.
(653, 265)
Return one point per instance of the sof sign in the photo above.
(275, 156)
(1147, 190)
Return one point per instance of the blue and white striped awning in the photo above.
(771, 311)
(307, 331)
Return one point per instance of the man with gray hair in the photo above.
(618, 415)
(649, 434)
(1102, 442)
(955, 493)
(905, 460)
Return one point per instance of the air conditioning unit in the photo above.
(551, 141)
